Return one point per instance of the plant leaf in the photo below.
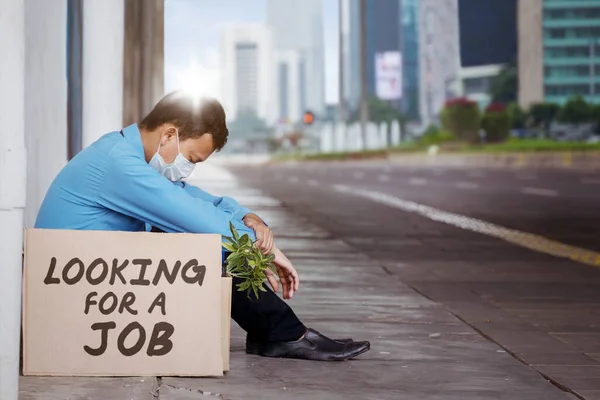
(230, 247)
(234, 231)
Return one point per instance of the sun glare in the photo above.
(198, 80)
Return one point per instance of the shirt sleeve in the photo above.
(224, 203)
(132, 187)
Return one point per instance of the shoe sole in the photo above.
(308, 355)
(255, 349)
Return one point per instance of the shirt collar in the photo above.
(134, 137)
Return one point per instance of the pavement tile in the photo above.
(589, 394)
(75, 388)
(587, 342)
(577, 377)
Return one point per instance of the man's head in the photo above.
(181, 123)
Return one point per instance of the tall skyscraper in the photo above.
(438, 55)
(384, 42)
(350, 10)
(488, 41)
(559, 50)
(488, 32)
(247, 66)
(410, 58)
(297, 28)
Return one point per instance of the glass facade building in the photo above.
(410, 58)
(571, 40)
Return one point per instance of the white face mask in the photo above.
(179, 169)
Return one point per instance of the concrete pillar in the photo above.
(46, 98)
(13, 177)
(103, 36)
(143, 84)
(530, 51)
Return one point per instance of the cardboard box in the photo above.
(101, 303)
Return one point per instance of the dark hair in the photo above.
(193, 116)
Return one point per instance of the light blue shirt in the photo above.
(110, 186)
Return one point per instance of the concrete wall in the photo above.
(45, 98)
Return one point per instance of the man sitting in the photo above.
(132, 179)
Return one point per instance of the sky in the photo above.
(192, 40)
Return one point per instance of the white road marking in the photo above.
(312, 182)
(527, 177)
(293, 179)
(387, 169)
(358, 175)
(384, 178)
(590, 181)
(476, 174)
(539, 192)
(524, 239)
(467, 185)
(417, 181)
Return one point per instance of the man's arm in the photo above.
(264, 235)
(133, 188)
(223, 203)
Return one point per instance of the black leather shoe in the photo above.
(255, 347)
(314, 346)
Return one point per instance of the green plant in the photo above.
(462, 117)
(246, 261)
(518, 117)
(433, 135)
(504, 86)
(575, 111)
(542, 114)
(496, 123)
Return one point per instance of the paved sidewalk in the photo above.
(419, 350)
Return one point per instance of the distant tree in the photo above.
(575, 111)
(496, 123)
(596, 116)
(462, 117)
(518, 117)
(248, 124)
(379, 111)
(541, 115)
(383, 111)
(504, 87)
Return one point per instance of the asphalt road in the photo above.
(564, 206)
(461, 238)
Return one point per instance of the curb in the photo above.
(582, 160)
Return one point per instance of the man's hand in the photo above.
(288, 276)
(264, 235)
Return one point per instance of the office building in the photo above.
(384, 46)
(558, 50)
(350, 26)
(488, 42)
(291, 88)
(410, 58)
(247, 65)
(439, 56)
(297, 28)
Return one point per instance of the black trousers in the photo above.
(266, 318)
